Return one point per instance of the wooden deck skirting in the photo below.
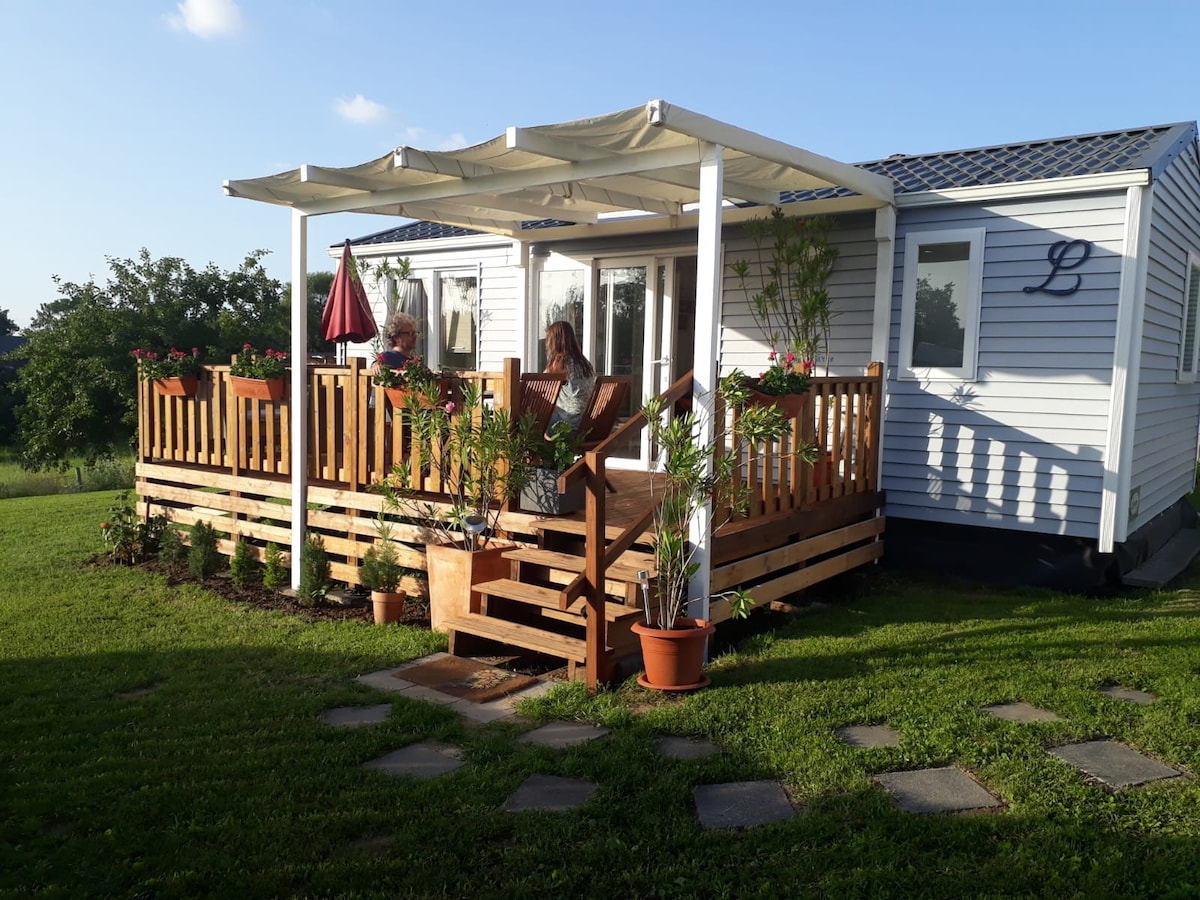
(225, 460)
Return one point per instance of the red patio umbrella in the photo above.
(347, 314)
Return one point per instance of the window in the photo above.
(1187, 341)
(939, 318)
(458, 296)
(560, 297)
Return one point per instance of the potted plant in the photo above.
(554, 455)
(785, 282)
(412, 384)
(782, 384)
(381, 571)
(258, 376)
(673, 644)
(477, 455)
(174, 373)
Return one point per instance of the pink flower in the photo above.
(450, 406)
(245, 346)
(771, 355)
(791, 357)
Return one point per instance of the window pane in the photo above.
(560, 297)
(460, 325)
(942, 272)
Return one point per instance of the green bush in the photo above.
(314, 571)
(129, 539)
(275, 573)
(243, 568)
(203, 557)
(171, 548)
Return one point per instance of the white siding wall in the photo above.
(1021, 446)
(851, 289)
(499, 289)
(1168, 413)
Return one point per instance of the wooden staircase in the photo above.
(531, 611)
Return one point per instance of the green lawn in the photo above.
(222, 781)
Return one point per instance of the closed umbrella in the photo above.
(347, 314)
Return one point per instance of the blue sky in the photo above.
(122, 118)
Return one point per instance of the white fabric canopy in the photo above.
(641, 159)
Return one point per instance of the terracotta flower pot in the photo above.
(452, 572)
(183, 386)
(674, 657)
(257, 388)
(398, 397)
(791, 404)
(388, 607)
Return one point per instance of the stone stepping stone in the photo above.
(356, 716)
(1019, 711)
(424, 760)
(946, 789)
(868, 735)
(741, 804)
(551, 793)
(563, 734)
(1114, 764)
(686, 748)
(1130, 695)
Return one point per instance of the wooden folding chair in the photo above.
(600, 415)
(539, 397)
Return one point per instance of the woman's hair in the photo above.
(398, 323)
(563, 347)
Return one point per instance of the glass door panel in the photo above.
(620, 338)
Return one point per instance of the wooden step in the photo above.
(515, 635)
(626, 567)
(547, 599)
(579, 527)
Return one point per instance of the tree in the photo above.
(937, 333)
(7, 325)
(80, 378)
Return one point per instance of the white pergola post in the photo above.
(299, 397)
(706, 347)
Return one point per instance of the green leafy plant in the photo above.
(204, 559)
(275, 573)
(172, 364)
(785, 282)
(781, 376)
(314, 571)
(480, 455)
(694, 475)
(131, 539)
(559, 450)
(243, 567)
(380, 569)
(252, 364)
(171, 548)
(414, 375)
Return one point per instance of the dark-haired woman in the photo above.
(565, 358)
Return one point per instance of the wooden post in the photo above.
(509, 398)
(350, 391)
(874, 423)
(594, 546)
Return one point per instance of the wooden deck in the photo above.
(224, 460)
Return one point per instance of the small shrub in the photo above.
(171, 548)
(109, 474)
(275, 573)
(314, 571)
(243, 568)
(203, 557)
(130, 539)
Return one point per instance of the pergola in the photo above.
(656, 167)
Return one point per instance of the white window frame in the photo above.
(435, 319)
(1189, 357)
(913, 241)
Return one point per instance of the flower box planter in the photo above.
(791, 404)
(182, 386)
(541, 494)
(452, 572)
(257, 388)
(398, 396)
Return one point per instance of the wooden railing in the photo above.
(355, 437)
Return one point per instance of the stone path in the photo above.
(740, 804)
